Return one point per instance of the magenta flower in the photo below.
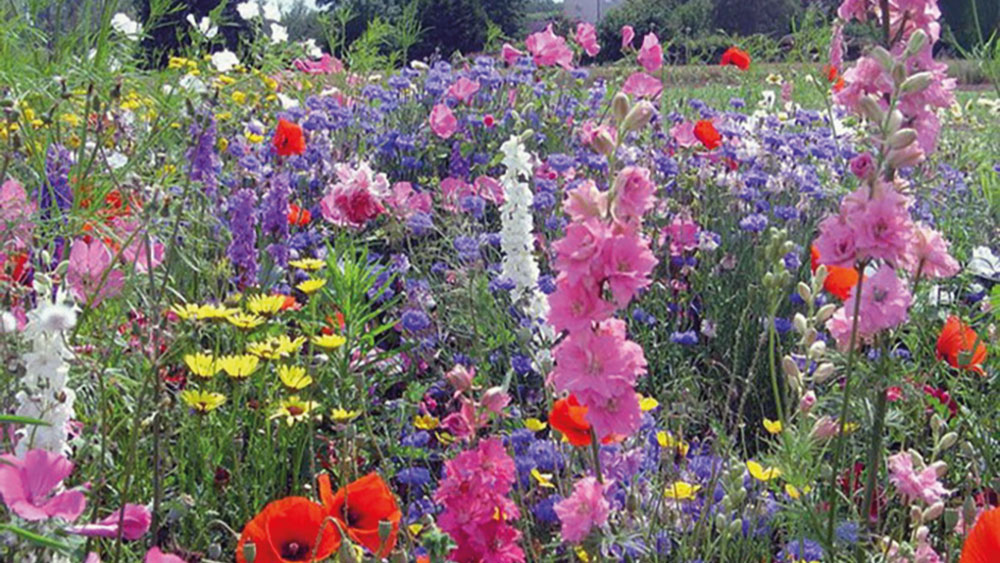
(576, 253)
(683, 135)
(628, 34)
(586, 37)
(88, 263)
(626, 262)
(357, 196)
(582, 510)
(325, 65)
(575, 306)
(510, 54)
(27, 486)
(15, 216)
(916, 485)
(404, 201)
(443, 122)
(929, 255)
(154, 555)
(134, 524)
(882, 225)
(463, 89)
(650, 54)
(548, 49)
(642, 85)
(885, 301)
(633, 191)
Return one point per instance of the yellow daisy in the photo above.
(534, 424)
(544, 479)
(276, 348)
(311, 286)
(667, 440)
(202, 401)
(265, 304)
(294, 409)
(647, 403)
(426, 422)
(329, 341)
(308, 264)
(243, 320)
(341, 415)
(239, 367)
(772, 426)
(294, 377)
(202, 365)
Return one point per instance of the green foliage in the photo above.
(452, 25)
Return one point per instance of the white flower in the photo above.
(204, 26)
(311, 49)
(7, 322)
(248, 10)
(419, 65)
(279, 34)
(56, 317)
(984, 263)
(287, 102)
(225, 60)
(517, 223)
(271, 11)
(126, 26)
(193, 84)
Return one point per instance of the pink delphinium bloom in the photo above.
(586, 202)
(15, 217)
(863, 165)
(885, 302)
(837, 47)
(628, 34)
(916, 485)
(582, 510)
(443, 122)
(836, 241)
(356, 198)
(134, 519)
(575, 306)
(494, 400)
(600, 138)
(591, 362)
(463, 89)
(642, 85)
(882, 225)
(626, 263)
(633, 189)
(851, 9)
(549, 49)
(651, 54)
(578, 249)
(929, 255)
(617, 415)
(510, 54)
(586, 37)
(325, 65)
(88, 263)
(684, 234)
(867, 76)
(28, 485)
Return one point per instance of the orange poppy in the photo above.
(736, 57)
(361, 507)
(982, 545)
(298, 216)
(567, 416)
(833, 77)
(839, 280)
(289, 139)
(955, 345)
(286, 531)
(705, 132)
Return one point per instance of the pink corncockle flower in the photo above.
(683, 135)
(575, 307)
(326, 64)
(404, 201)
(628, 34)
(463, 89)
(15, 217)
(863, 165)
(509, 54)
(633, 189)
(583, 510)
(650, 54)
(490, 189)
(929, 255)
(549, 49)
(134, 520)
(626, 262)
(914, 485)
(642, 85)
(585, 201)
(579, 248)
(138, 252)
(88, 264)
(357, 196)
(443, 122)
(586, 37)
(885, 302)
(28, 485)
(684, 234)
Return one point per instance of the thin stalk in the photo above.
(772, 362)
(595, 450)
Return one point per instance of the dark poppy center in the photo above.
(351, 517)
(295, 551)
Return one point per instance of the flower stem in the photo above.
(595, 450)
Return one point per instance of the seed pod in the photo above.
(620, 106)
(799, 321)
(902, 138)
(947, 441)
(917, 41)
(933, 512)
(916, 83)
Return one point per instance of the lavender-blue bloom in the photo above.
(58, 161)
(685, 338)
(415, 320)
(204, 163)
(242, 251)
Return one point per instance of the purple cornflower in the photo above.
(242, 251)
(58, 161)
(754, 223)
(685, 338)
(415, 320)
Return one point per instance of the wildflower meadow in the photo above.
(267, 299)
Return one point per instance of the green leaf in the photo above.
(14, 419)
(36, 538)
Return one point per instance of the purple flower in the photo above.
(415, 320)
(58, 161)
(802, 549)
(242, 251)
(274, 218)
(205, 163)
(686, 338)
(414, 476)
(754, 223)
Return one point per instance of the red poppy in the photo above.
(833, 77)
(567, 416)
(705, 132)
(298, 216)
(955, 345)
(286, 531)
(839, 280)
(361, 507)
(736, 57)
(983, 543)
(288, 139)
(334, 325)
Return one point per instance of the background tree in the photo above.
(168, 32)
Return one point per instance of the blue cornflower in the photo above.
(754, 223)
(414, 476)
(415, 320)
(685, 338)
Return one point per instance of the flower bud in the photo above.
(721, 521)
(947, 441)
(895, 122)
(526, 135)
(819, 276)
(916, 83)
(799, 321)
(823, 372)
(917, 41)
(603, 143)
(620, 106)
(940, 467)
(916, 514)
(807, 402)
(825, 312)
(933, 512)
(495, 399)
(419, 65)
(898, 73)
(805, 292)
(639, 116)
(911, 155)
(883, 57)
(769, 280)
(809, 337)
(460, 378)
(736, 526)
(790, 368)
(902, 138)
(249, 551)
(816, 350)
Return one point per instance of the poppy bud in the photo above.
(917, 41)
(527, 135)
(639, 116)
(620, 106)
(902, 138)
(347, 553)
(947, 441)
(940, 467)
(933, 512)
(916, 514)
(805, 292)
(898, 73)
(249, 551)
(799, 322)
(825, 312)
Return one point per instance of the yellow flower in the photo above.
(415, 529)
(342, 415)
(772, 426)
(667, 440)
(445, 438)
(208, 311)
(185, 311)
(255, 138)
(244, 320)
(426, 422)
(275, 348)
(239, 367)
(647, 403)
(534, 424)
(308, 264)
(239, 97)
(265, 304)
(329, 341)
(544, 479)
(681, 490)
(202, 365)
(202, 401)
(294, 377)
(581, 554)
(71, 119)
(311, 286)
(294, 409)
(774, 78)
(795, 492)
(758, 472)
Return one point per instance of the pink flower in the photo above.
(651, 54)
(88, 263)
(885, 301)
(628, 34)
(325, 65)
(489, 189)
(138, 252)
(836, 241)
(866, 77)
(404, 201)
(574, 307)
(548, 49)
(356, 197)
(617, 415)
(882, 225)
(510, 54)
(683, 135)
(601, 138)
(27, 486)
(633, 189)
(579, 247)
(626, 263)
(863, 165)
(494, 400)
(586, 37)
(443, 122)
(586, 202)
(929, 255)
(597, 363)
(133, 518)
(915, 485)
(154, 555)
(582, 510)
(460, 378)
(684, 234)
(850, 9)
(837, 47)
(463, 89)
(642, 85)
(15, 217)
